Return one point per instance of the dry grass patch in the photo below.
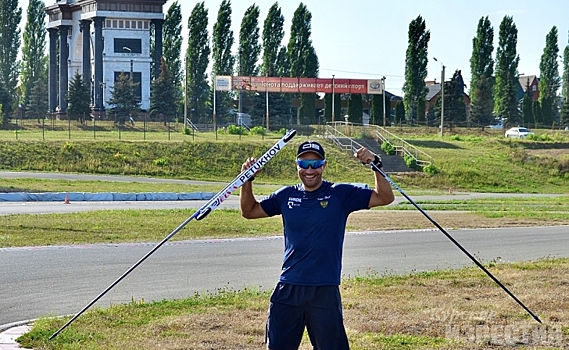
(444, 309)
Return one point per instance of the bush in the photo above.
(258, 130)
(388, 148)
(410, 161)
(236, 130)
(186, 131)
(283, 131)
(430, 169)
(161, 162)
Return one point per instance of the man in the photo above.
(314, 214)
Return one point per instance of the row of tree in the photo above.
(493, 90)
(493, 85)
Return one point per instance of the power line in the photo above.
(361, 73)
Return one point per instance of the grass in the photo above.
(429, 310)
(120, 226)
(444, 309)
(466, 159)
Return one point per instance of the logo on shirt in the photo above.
(324, 204)
(294, 202)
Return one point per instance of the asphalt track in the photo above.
(58, 280)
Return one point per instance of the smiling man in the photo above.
(314, 214)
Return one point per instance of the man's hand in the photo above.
(364, 155)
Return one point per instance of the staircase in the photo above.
(391, 164)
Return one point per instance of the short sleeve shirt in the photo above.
(314, 228)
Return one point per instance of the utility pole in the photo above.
(442, 96)
(383, 91)
(186, 91)
(333, 98)
(267, 98)
(131, 63)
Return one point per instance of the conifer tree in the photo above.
(549, 80)
(482, 71)
(124, 100)
(164, 98)
(78, 99)
(10, 18)
(416, 60)
(505, 89)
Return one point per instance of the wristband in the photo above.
(252, 178)
(377, 162)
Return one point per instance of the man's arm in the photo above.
(382, 194)
(250, 208)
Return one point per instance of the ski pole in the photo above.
(376, 168)
(201, 213)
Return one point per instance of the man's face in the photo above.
(311, 178)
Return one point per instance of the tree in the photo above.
(273, 34)
(505, 90)
(482, 69)
(527, 113)
(355, 109)
(416, 59)
(399, 112)
(10, 17)
(549, 80)
(302, 58)
(163, 100)
(124, 100)
(455, 110)
(536, 111)
(223, 60)
(78, 99)
(38, 105)
(33, 49)
(249, 46)
(173, 42)
(564, 113)
(198, 59)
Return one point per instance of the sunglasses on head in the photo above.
(314, 163)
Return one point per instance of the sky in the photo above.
(367, 39)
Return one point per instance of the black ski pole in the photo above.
(201, 213)
(455, 241)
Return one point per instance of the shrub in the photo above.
(430, 169)
(161, 162)
(410, 161)
(68, 146)
(186, 131)
(236, 130)
(258, 130)
(283, 131)
(388, 148)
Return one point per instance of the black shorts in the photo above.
(293, 308)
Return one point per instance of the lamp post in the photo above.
(442, 95)
(333, 98)
(383, 91)
(131, 61)
(240, 106)
(185, 91)
(267, 98)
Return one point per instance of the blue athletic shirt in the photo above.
(314, 227)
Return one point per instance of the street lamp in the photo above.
(383, 90)
(130, 51)
(442, 95)
(333, 98)
(267, 98)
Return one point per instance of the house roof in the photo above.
(434, 89)
(523, 79)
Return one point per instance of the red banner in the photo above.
(301, 85)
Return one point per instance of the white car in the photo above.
(518, 132)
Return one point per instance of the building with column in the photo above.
(100, 39)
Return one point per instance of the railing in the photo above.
(351, 130)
